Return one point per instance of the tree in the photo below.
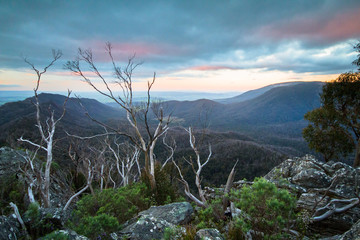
(326, 134)
(357, 61)
(138, 116)
(47, 131)
(334, 128)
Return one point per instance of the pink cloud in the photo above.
(124, 50)
(337, 27)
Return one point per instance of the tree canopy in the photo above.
(334, 128)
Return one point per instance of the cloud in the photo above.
(174, 35)
(318, 29)
(211, 68)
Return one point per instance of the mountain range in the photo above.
(265, 123)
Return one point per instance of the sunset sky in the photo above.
(214, 46)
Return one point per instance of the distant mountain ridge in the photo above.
(273, 117)
(256, 92)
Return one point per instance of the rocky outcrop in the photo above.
(209, 234)
(151, 223)
(12, 164)
(319, 186)
(352, 234)
(65, 234)
(10, 228)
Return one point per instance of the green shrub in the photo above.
(104, 212)
(165, 191)
(11, 190)
(98, 227)
(38, 225)
(268, 209)
(212, 216)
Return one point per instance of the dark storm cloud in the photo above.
(182, 34)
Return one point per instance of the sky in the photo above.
(192, 45)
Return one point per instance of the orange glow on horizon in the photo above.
(221, 80)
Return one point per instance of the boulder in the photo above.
(316, 184)
(69, 234)
(209, 234)
(151, 223)
(10, 228)
(353, 233)
(11, 161)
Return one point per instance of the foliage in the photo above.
(336, 122)
(165, 191)
(38, 225)
(266, 209)
(171, 233)
(11, 190)
(357, 61)
(212, 216)
(326, 134)
(190, 233)
(98, 227)
(108, 209)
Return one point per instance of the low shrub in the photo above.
(267, 210)
(104, 212)
(165, 191)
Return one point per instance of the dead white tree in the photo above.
(33, 176)
(89, 179)
(335, 205)
(142, 135)
(46, 128)
(201, 201)
(127, 157)
(20, 220)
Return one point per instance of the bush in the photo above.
(11, 190)
(37, 223)
(98, 227)
(212, 216)
(104, 212)
(268, 210)
(165, 191)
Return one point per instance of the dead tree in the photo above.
(89, 179)
(127, 157)
(33, 175)
(46, 128)
(201, 201)
(124, 80)
(197, 168)
(336, 205)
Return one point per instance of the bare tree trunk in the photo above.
(47, 174)
(46, 130)
(31, 193)
(18, 216)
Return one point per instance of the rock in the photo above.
(209, 234)
(316, 184)
(10, 163)
(151, 223)
(10, 228)
(70, 234)
(175, 213)
(353, 233)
